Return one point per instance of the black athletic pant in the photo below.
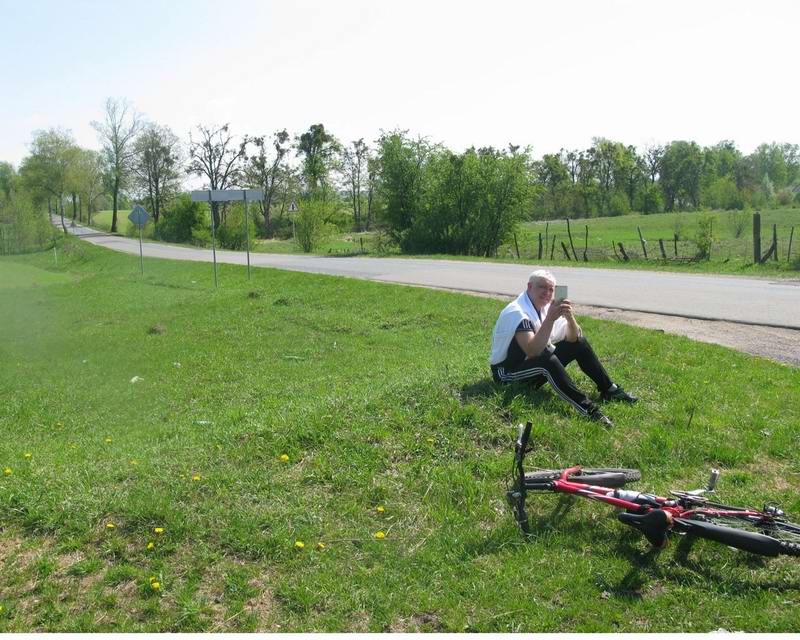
(550, 367)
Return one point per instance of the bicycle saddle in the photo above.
(653, 525)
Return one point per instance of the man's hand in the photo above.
(573, 328)
(554, 312)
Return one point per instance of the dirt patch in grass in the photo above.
(416, 623)
(9, 546)
(781, 475)
(262, 606)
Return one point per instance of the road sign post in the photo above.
(247, 233)
(139, 217)
(228, 195)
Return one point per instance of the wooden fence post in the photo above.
(622, 251)
(553, 246)
(756, 237)
(566, 251)
(569, 234)
(516, 246)
(775, 241)
(661, 244)
(676, 245)
(586, 244)
(546, 233)
(789, 252)
(540, 245)
(643, 241)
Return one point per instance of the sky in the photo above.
(547, 74)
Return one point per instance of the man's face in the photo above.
(541, 292)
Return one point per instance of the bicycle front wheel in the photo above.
(598, 477)
(760, 535)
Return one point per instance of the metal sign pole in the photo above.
(247, 233)
(213, 239)
(141, 254)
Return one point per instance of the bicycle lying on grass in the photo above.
(765, 532)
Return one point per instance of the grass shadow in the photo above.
(487, 388)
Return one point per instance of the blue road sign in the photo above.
(139, 216)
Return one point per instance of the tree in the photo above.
(318, 148)
(8, 176)
(117, 134)
(653, 154)
(555, 178)
(268, 173)
(218, 158)
(46, 170)
(355, 160)
(402, 178)
(155, 166)
(373, 187)
(681, 168)
(471, 204)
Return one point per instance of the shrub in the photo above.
(310, 226)
(649, 199)
(785, 197)
(737, 221)
(23, 227)
(232, 233)
(180, 221)
(704, 237)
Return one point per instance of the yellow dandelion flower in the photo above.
(134, 462)
(430, 440)
(151, 546)
(195, 477)
(380, 508)
(299, 545)
(153, 578)
(158, 530)
(284, 457)
(110, 525)
(59, 424)
(155, 586)
(380, 535)
(28, 456)
(108, 440)
(7, 471)
(320, 545)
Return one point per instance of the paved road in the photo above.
(712, 297)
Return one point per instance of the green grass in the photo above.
(729, 254)
(379, 395)
(102, 220)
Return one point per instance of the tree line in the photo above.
(422, 196)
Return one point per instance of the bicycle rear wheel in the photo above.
(763, 536)
(602, 477)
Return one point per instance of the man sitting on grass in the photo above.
(534, 340)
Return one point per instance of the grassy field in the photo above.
(102, 220)
(729, 254)
(167, 447)
(344, 243)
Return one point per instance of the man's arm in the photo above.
(573, 328)
(534, 343)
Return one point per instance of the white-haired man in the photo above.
(534, 340)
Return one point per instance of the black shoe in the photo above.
(618, 395)
(599, 416)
